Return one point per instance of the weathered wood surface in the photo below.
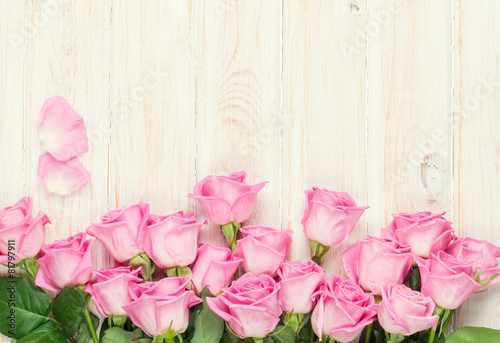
(395, 102)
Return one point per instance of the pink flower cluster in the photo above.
(451, 268)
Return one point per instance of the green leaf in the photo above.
(83, 335)
(23, 307)
(283, 334)
(68, 308)
(229, 338)
(469, 334)
(209, 327)
(50, 332)
(117, 335)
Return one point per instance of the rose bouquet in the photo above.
(403, 286)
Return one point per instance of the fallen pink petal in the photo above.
(62, 130)
(62, 177)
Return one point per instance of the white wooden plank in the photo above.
(69, 55)
(477, 140)
(153, 95)
(12, 52)
(238, 99)
(324, 140)
(409, 104)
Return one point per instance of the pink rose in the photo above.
(424, 232)
(226, 199)
(343, 310)
(263, 249)
(172, 240)
(329, 217)
(18, 226)
(250, 305)
(446, 280)
(373, 262)
(122, 230)
(158, 306)
(483, 256)
(67, 262)
(110, 290)
(298, 283)
(213, 268)
(404, 311)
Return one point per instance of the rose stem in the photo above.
(89, 323)
(368, 333)
(431, 336)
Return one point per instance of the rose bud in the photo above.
(67, 262)
(424, 232)
(18, 225)
(298, 283)
(172, 240)
(213, 268)
(263, 249)
(343, 310)
(162, 305)
(404, 311)
(329, 217)
(373, 262)
(250, 305)
(483, 256)
(122, 230)
(446, 280)
(110, 290)
(226, 199)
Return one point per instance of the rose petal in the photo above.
(62, 177)
(62, 130)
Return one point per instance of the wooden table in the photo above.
(395, 102)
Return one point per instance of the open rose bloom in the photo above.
(122, 231)
(263, 249)
(172, 240)
(110, 290)
(373, 262)
(67, 262)
(250, 305)
(18, 225)
(162, 305)
(227, 199)
(214, 268)
(343, 310)
(329, 217)
(424, 232)
(299, 281)
(446, 280)
(404, 311)
(483, 256)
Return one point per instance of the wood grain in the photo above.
(477, 141)
(58, 63)
(152, 152)
(395, 102)
(238, 115)
(409, 104)
(324, 125)
(12, 83)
